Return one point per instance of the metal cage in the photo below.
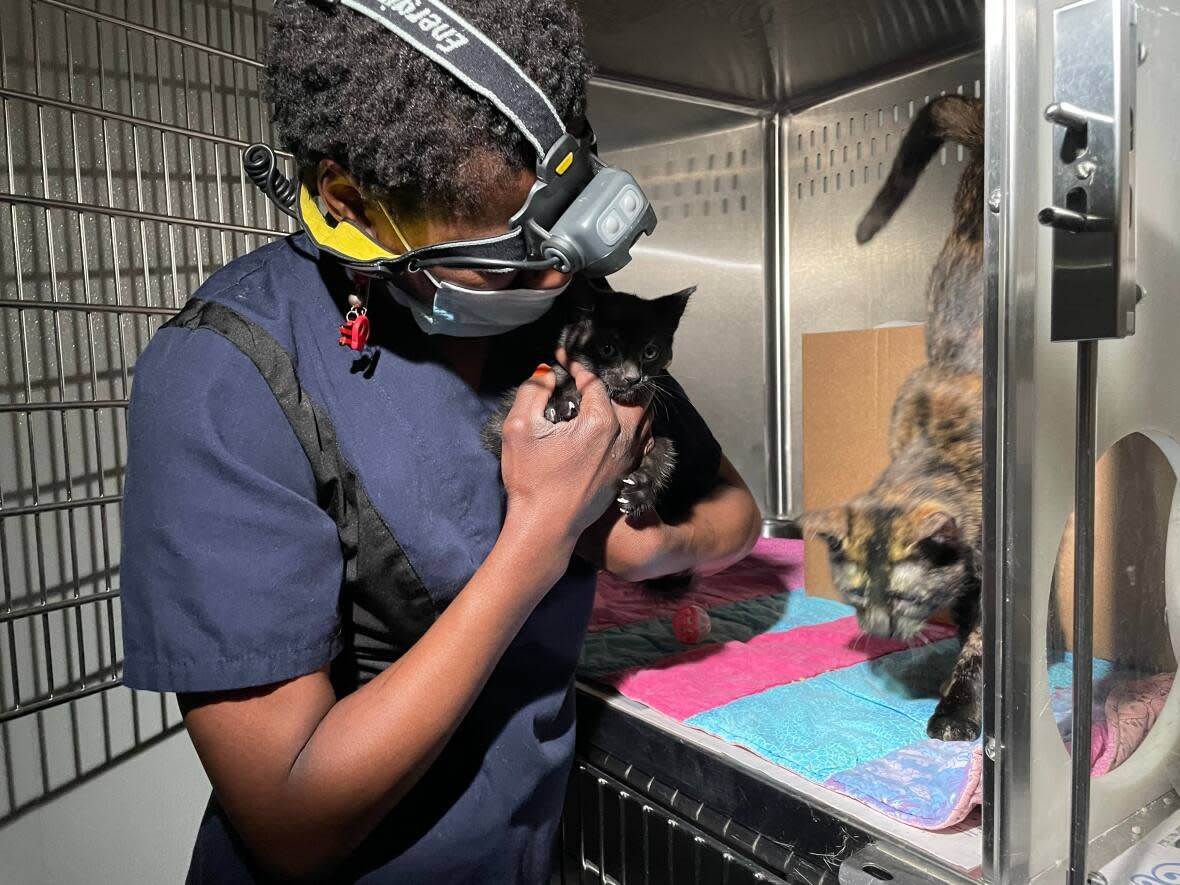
(122, 189)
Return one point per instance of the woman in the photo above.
(370, 624)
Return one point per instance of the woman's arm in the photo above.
(305, 777)
(721, 529)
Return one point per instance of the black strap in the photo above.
(449, 40)
(510, 247)
(385, 605)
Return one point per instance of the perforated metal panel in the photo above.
(707, 190)
(120, 190)
(838, 154)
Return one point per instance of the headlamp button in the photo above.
(611, 226)
(630, 203)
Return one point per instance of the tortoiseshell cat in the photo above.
(627, 342)
(911, 544)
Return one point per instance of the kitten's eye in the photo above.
(606, 351)
(835, 546)
(651, 352)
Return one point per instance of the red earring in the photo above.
(355, 331)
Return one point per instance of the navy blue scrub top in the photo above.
(232, 572)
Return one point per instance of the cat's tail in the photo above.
(949, 118)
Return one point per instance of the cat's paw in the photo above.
(637, 494)
(952, 727)
(561, 409)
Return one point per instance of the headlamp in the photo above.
(581, 215)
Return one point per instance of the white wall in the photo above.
(106, 808)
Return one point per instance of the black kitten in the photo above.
(627, 342)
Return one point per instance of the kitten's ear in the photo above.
(675, 303)
(829, 525)
(582, 300)
(582, 294)
(935, 524)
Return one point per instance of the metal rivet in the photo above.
(1142, 53)
(990, 749)
(1096, 879)
(993, 201)
(1086, 168)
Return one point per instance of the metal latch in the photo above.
(1096, 55)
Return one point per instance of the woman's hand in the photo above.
(560, 478)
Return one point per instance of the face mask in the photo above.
(472, 313)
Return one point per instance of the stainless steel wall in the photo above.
(702, 167)
(121, 124)
(785, 54)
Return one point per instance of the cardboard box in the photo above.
(850, 380)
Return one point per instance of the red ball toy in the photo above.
(691, 624)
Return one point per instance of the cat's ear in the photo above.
(829, 525)
(935, 524)
(675, 303)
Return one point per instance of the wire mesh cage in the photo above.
(121, 189)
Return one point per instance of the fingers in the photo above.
(591, 390)
(533, 395)
(583, 377)
(634, 421)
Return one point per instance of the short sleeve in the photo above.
(698, 454)
(231, 572)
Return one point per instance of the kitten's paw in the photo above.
(637, 494)
(561, 409)
(567, 410)
(952, 727)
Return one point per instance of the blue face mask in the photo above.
(473, 313)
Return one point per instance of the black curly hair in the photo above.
(344, 88)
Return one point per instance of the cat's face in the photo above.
(623, 339)
(895, 564)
